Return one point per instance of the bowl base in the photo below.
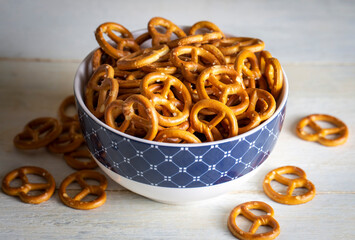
(176, 196)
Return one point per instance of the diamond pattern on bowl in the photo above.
(180, 167)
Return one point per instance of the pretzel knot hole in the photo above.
(283, 188)
(245, 224)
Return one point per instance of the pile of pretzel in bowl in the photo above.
(181, 87)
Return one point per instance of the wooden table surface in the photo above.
(31, 88)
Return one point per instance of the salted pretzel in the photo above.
(101, 89)
(274, 77)
(165, 67)
(191, 60)
(143, 38)
(142, 58)
(211, 27)
(212, 75)
(194, 66)
(79, 177)
(38, 133)
(340, 130)
(216, 52)
(232, 45)
(162, 38)
(177, 116)
(69, 139)
(64, 106)
(126, 40)
(255, 115)
(228, 46)
(99, 57)
(23, 191)
(263, 56)
(223, 113)
(128, 79)
(149, 121)
(72, 159)
(251, 44)
(252, 72)
(292, 184)
(170, 135)
(196, 39)
(266, 219)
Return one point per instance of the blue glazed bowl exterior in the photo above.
(184, 165)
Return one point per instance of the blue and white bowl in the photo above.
(176, 173)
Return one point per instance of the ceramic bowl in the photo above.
(176, 173)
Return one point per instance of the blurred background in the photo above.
(294, 31)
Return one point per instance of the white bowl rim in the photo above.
(79, 98)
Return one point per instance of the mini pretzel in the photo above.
(67, 103)
(72, 159)
(300, 182)
(162, 38)
(274, 77)
(196, 39)
(101, 89)
(191, 69)
(143, 38)
(130, 80)
(231, 46)
(23, 191)
(100, 57)
(223, 113)
(216, 52)
(142, 57)
(267, 219)
(256, 116)
(38, 133)
(204, 24)
(168, 134)
(212, 76)
(149, 121)
(228, 46)
(263, 56)
(253, 72)
(320, 135)
(162, 98)
(70, 139)
(165, 67)
(109, 28)
(79, 177)
(251, 44)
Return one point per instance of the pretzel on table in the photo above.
(72, 159)
(64, 106)
(38, 133)
(257, 221)
(340, 130)
(47, 189)
(77, 201)
(292, 184)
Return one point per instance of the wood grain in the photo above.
(32, 89)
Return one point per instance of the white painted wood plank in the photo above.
(129, 216)
(294, 31)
